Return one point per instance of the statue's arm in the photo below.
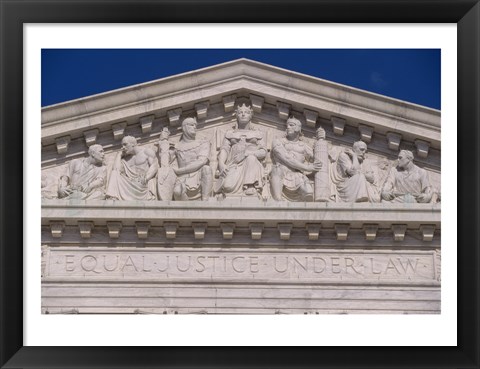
(153, 164)
(346, 160)
(369, 174)
(309, 153)
(193, 166)
(64, 181)
(261, 151)
(388, 186)
(282, 156)
(99, 181)
(317, 165)
(223, 155)
(427, 192)
(63, 186)
(198, 163)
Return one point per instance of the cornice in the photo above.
(277, 220)
(242, 76)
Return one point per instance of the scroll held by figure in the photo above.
(353, 182)
(85, 178)
(241, 156)
(292, 159)
(166, 176)
(407, 182)
(322, 176)
(194, 178)
(132, 173)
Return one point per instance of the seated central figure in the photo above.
(240, 159)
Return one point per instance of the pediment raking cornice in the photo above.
(290, 92)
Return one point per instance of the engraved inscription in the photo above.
(165, 264)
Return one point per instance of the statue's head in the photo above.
(96, 153)
(128, 145)
(164, 134)
(244, 114)
(189, 127)
(294, 127)
(405, 157)
(360, 148)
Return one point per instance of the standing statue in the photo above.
(322, 177)
(132, 172)
(194, 175)
(352, 181)
(85, 178)
(240, 159)
(407, 182)
(291, 157)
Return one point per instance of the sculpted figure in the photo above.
(132, 171)
(240, 159)
(85, 177)
(49, 187)
(194, 175)
(322, 176)
(291, 158)
(352, 181)
(407, 182)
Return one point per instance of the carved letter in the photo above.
(214, 258)
(335, 263)
(373, 271)
(254, 263)
(166, 265)
(233, 264)
(188, 267)
(349, 264)
(322, 269)
(68, 262)
(88, 259)
(408, 264)
(275, 264)
(304, 267)
(391, 265)
(105, 264)
(129, 262)
(143, 262)
(199, 261)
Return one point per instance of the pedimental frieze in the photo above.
(291, 160)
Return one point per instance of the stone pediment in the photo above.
(211, 96)
(134, 193)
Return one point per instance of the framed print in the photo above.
(77, 240)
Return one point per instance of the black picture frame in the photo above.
(15, 13)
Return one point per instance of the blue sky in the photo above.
(407, 74)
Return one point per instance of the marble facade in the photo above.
(240, 188)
